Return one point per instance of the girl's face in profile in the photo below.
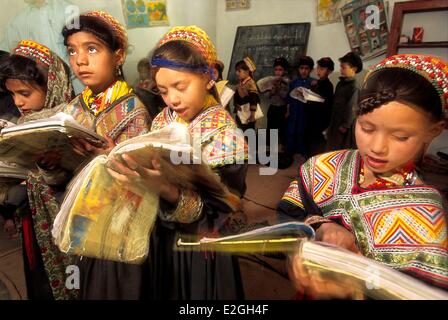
(394, 134)
(242, 74)
(28, 97)
(184, 92)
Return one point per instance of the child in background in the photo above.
(182, 69)
(295, 135)
(373, 200)
(246, 91)
(318, 114)
(218, 69)
(39, 82)
(340, 131)
(146, 89)
(278, 100)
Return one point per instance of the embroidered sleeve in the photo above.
(138, 125)
(188, 210)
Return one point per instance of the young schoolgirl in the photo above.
(8, 112)
(372, 200)
(39, 82)
(107, 105)
(182, 66)
(246, 91)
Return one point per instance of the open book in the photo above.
(276, 238)
(12, 170)
(105, 219)
(304, 95)
(244, 113)
(268, 83)
(225, 93)
(24, 143)
(362, 275)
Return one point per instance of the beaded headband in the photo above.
(433, 69)
(34, 51)
(197, 37)
(250, 64)
(116, 27)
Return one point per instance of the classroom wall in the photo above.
(325, 40)
(180, 12)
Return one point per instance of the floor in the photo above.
(263, 278)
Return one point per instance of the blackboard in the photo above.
(264, 43)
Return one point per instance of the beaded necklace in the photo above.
(405, 176)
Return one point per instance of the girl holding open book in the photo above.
(39, 82)
(97, 49)
(373, 200)
(108, 105)
(182, 66)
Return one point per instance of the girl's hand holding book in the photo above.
(85, 147)
(50, 160)
(335, 234)
(128, 171)
(313, 284)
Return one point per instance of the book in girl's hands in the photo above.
(25, 143)
(281, 237)
(12, 171)
(304, 95)
(103, 218)
(340, 270)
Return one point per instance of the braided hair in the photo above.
(402, 85)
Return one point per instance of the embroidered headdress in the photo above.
(433, 69)
(35, 51)
(114, 25)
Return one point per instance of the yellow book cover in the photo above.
(105, 219)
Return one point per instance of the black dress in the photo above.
(318, 118)
(168, 274)
(345, 99)
(191, 275)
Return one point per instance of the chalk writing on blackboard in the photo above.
(266, 42)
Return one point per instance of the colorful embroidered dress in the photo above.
(194, 275)
(219, 140)
(402, 227)
(123, 117)
(36, 225)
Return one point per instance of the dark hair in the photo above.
(219, 66)
(282, 62)
(353, 60)
(22, 68)
(306, 61)
(326, 62)
(402, 85)
(181, 52)
(96, 27)
(3, 55)
(243, 66)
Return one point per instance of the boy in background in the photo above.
(340, 134)
(295, 140)
(318, 114)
